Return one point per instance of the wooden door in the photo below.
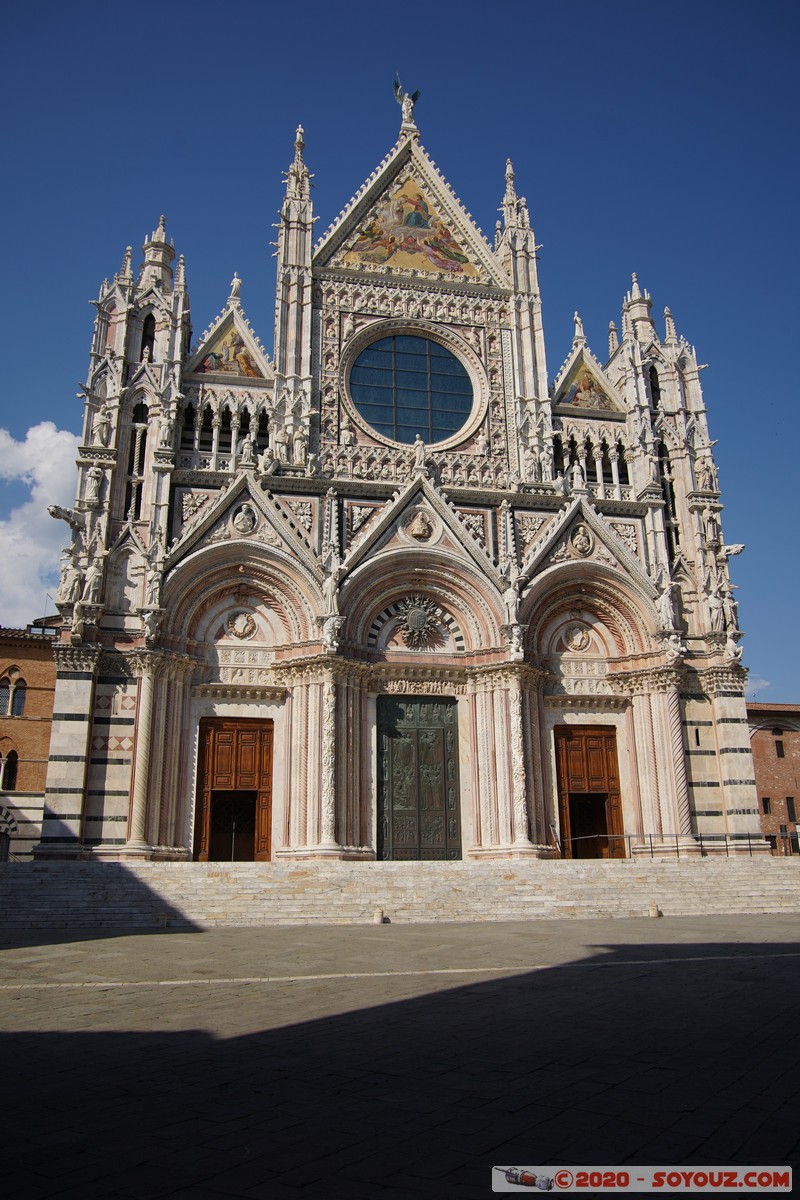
(234, 790)
(418, 792)
(589, 801)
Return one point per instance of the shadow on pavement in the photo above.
(59, 902)
(669, 1062)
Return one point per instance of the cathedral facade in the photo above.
(390, 593)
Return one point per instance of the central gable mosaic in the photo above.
(405, 232)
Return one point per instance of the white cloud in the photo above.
(30, 540)
(756, 685)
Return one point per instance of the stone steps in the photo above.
(138, 895)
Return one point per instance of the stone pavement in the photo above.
(392, 1061)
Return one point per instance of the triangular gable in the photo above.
(407, 219)
(230, 350)
(582, 535)
(583, 387)
(246, 513)
(382, 530)
(145, 375)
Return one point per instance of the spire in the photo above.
(636, 306)
(180, 275)
(613, 338)
(514, 207)
(298, 177)
(579, 338)
(125, 269)
(158, 256)
(672, 333)
(292, 312)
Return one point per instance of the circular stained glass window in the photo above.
(407, 385)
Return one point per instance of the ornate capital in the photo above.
(75, 658)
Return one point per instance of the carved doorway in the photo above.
(234, 790)
(589, 802)
(418, 792)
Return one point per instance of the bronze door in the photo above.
(590, 806)
(234, 790)
(418, 793)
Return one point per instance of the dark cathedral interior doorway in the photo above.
(590, 807)
(232, 836)
(418, 791)
(234, 790)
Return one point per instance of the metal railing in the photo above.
(629, 845)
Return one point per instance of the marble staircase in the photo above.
(150, 894)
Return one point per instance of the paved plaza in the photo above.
(396, 1061)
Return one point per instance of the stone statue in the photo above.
(101, 426)
(405, 101)
(236, 287)
(331, 630)
(730, 610)
(165, 433)
(482, 442)
(733, 653)
(511, 598)
(664, 605)
(419, 454)
(281, 440)
(247, 459)
(330, 588)
(705, 476)
(94, 478)
(299, 447)
(347, 436)
(546, 459)
(577, 476)
(153, 590)
(93, 582)
(532, 466)
(717, 610)
(349, 327)
(69, 589)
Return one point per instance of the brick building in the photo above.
(775, 738)
(27, 687)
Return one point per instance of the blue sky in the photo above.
(654, 138)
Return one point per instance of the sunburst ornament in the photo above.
(419, 620)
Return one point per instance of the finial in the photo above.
(509, 170)
(672, 333)
(236, 287)
(580, 338)
(406, 103)
(125, 269)
(160, 234)
(613, 338)
(180, 273)
(636, 291)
